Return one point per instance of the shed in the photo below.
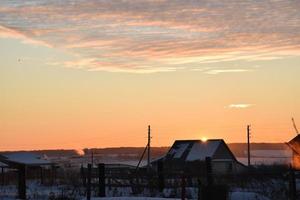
(21, 161)
(187, 154)
(28, 159)
(294, 144)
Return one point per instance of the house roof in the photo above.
(23, 158)
(192, 150)
(3, 164)
(294, 144)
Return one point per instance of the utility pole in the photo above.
(148, 148)
(92, 157)
(248, 144)
(295, 127)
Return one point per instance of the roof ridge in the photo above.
(198, 140)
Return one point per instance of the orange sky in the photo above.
(96, 74)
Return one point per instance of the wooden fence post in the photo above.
(161, 181)
(209, 174)
(101, 179)
(22, 181)
(88, 188)
(2, 176)
(83, 177)
(200, 188)
(292, 184)
(53, 174)
(42, 175)
(183, 184)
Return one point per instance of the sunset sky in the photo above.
(77, 73)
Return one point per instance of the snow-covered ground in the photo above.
(36, 191)
(233, 196)
(246, 196)
(131, 198)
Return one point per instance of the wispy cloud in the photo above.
(11, 33)
(239, 106)
(219, 71)
(156, 34)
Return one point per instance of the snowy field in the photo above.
(42, 193)
(233, 196)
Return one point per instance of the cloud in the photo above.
(155, 35)
(219, 71)
(11, 33)
(239, 106)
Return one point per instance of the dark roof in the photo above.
(195, 150)
(3, 165)
(294, 144)
(29, 159)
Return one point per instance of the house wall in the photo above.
(296, 161)
(222, 152)
(228, 167)
(239, 168)
(222, 167)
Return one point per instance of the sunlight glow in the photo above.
(203, 139)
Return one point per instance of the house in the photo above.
(23, 158)
(294, 144)
(23, 161)
(190, 155)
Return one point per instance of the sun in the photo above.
(203, 139)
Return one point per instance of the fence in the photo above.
(100, 180)
(155, 181)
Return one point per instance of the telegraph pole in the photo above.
(92, 157)
(248, 144)
(148, 148)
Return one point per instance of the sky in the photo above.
(77, 74)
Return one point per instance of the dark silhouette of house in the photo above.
(28, 159)
(190, 155)
(294, 144)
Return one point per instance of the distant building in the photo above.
(294, 144)
(23, 158)
(190, 155)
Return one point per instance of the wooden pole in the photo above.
(88, 188)
(55, 175)
(200, 188)
(149, 146)
(292, 184)
(160, 170)
(83, 177)
(22, 181)
(101, 179)
(42, 175)
(2, 176)
(248, 144)
(92, 158)
(209, 175)
(183, 184)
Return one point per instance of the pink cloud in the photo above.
(156, 34)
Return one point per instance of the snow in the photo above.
(179, 151)
(234, 196)
(268, 157)
(129, 198)
(247, 196)
(25, 158)
(37, 191)
(3, 164)
(272, 153)
(201, 150)
(264, 160)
